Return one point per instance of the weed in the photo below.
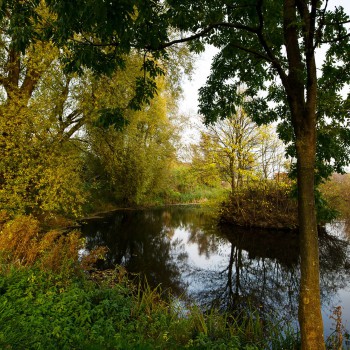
(22, 243)
(339, 339)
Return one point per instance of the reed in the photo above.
(51, 299)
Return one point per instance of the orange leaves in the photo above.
(23, 244)
(18, 240)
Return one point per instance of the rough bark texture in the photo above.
(310, 317)
(302, 95)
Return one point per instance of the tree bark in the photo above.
(310, 317)
(302, 95)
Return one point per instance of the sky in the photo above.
(189, 104)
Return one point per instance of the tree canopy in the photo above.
(47, 106)
(269, 46)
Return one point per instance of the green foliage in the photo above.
(238, 151)
(111, 116)
(48, 300)
(188, 184)
(23, 23)
(326, 209)
(39, 311)
(40, 166)
(46, 114)
(37, 173)
(43, 311)
(132, 162)
(255, 55)
(325, 212)
(99, 35)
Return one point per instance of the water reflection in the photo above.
(182, 249)
(142, 242)
(260, 271)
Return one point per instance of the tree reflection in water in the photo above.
(260, 273)
(141, 241)
(237, 268)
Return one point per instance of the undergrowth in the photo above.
(39, 310)
(267, 205)
(50, 298)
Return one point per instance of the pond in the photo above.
(182, 249)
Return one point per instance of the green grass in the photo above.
(39, 310)
(199, 194)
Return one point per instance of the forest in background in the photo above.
(75, 143)
(88, 124)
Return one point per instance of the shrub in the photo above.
(22, 243)
(267, 205)
(42, 310)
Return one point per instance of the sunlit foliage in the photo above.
(239, 151)
(134, 157)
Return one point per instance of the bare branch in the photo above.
(88, 42)
(270, 55)
(68, 134)
(318, 33)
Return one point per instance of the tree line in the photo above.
(270, 46)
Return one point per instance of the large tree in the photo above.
(268, 45)
(271, 46)
(131, 160)
(232, 145)
(40, 165)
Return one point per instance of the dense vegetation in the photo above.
(89, 120)
(52, 299)
(270, 205)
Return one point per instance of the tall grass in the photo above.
(48, 300)
(24, 244)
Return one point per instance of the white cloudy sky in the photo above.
(190, 101)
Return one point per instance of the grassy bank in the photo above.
(183, 186)
(40, 310)
(52, 298)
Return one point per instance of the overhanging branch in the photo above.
(203, 33)
(335, 40)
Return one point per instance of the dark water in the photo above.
(182, 249)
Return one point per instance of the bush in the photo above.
(266, 205)
(22, 243)
(41, 311)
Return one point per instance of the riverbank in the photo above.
(45, 311)
(52, 298)
(53, 262)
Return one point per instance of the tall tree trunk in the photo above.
(310, 317)
(302, 95)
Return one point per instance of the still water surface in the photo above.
(182, 249)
